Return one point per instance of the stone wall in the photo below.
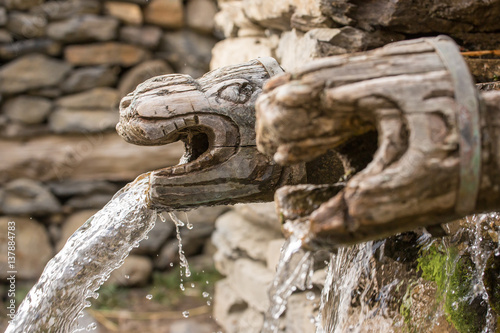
(64, 66)
(296, 32)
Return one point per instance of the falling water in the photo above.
(294, 271)
(445, 284)
(86, 261)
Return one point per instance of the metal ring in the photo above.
(469, 105)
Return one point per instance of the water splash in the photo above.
(182, 257)
(86, 261)
(295, 269)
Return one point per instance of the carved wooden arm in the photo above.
(427, 169)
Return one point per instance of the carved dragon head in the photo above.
(215, 118)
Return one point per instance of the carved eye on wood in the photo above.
(238, 93)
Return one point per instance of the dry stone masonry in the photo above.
(64, 66)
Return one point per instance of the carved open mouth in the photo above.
(209, 139)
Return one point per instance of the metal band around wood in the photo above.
(469, 106)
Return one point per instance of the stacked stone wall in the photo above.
(64, 66)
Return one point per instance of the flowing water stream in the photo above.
(86, 261)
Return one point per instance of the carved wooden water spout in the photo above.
(215, 117)
(404, 92)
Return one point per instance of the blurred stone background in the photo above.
(65, 64)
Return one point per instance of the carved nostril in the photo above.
(125, 103)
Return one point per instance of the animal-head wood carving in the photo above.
(215, 117)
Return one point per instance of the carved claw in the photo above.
(215, 117)
(404, 91)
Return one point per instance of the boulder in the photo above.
(251, 280)
(301, 310)
(200, 15)
(140, 73)
(27, 110)
(109, 53)
(25, 25)
(242, 236)
(251, 321)
(269, 14)
(164, 13)
(228, 306)
(135, 271)
(72, 223)
(155, 239)
(26, 46)
(3, 16)
(263, 214)
(31, 72)
(273, 253)
(90, 77)
(83, 157)
(5, 36)
(233, 51)
(84, 28)
(21, 5)
(65, 120)
(28, 197)
(102, 98)
(187, 51)
(32, 248)
(145, 36)
(70, 188)
(97, 200)
(128, 13)
(231, 21)
(60, 10)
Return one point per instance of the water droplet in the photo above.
(209, 303)
(127, 276)
(189, 226)
(149, 296)
(171, 264)
(205, 294)
(185, 314)
(192, 285)
(310, 296)
(182, 287)
(91, 326)
(207, 282)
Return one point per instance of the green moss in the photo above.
(454, 275)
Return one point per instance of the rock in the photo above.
(308, 15)
(200, 15)
(97, 201)
(77, 187)
(26, 46)
(233, 51)
(156, 238)
(164, 13)
(22, 131)
(190, 326)
(102, 98)
(33, 248)
(5, 37)
(273, 253)
(50, 92)
(128, 13)
(146, 36)
(251, 280)
(301, 311)
(187, 51)
(270, 14)
(3, 16)
(27, 109)
(109, 53)
(84, 28)
(101, 156)
(73, 222)
(484, 70)
(31, 72)
(263, 214)
(242, 236)
(251, 321)
(319, 277)
(60, 10)
(228, 306)
(21, 5)
(296, 48)
(231, 21)
(140, 73)
(90, 77)
(28, 197)
(82, 121)
(135, 271)
(26, 25)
